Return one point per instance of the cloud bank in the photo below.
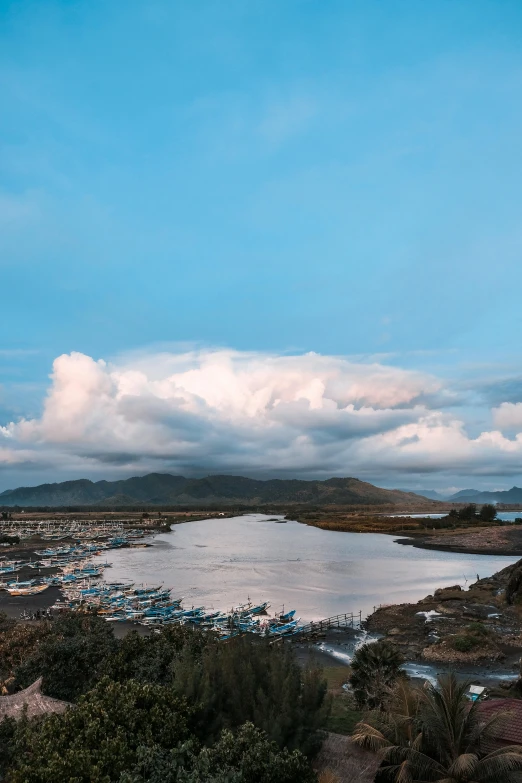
(259, 415)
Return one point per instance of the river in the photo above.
(223, 562)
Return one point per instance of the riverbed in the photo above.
(221, 563)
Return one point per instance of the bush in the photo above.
(98, 739)
(478, 629)
(70, 657)
(464, 643)
(240, 758)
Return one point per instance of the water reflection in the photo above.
(221, 562)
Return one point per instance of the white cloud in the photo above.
(251, 413)
(508, 416)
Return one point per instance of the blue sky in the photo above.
(266, 177)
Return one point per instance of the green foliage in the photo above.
(96, 741)
(17, 642)
(70, 657)
(439, 737)
(464, 643)
(468, 512)
(241, 758)
(478, 629)
(249, 680)
(488, 512)
(257, 759)
(8, 734)
(375, 668)
(131, 721)
(131, 705)
(135, 733)
(152, 658)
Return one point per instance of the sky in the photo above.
(266, 238)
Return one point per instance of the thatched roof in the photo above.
(345, 761)
(32, 697)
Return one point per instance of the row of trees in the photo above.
(177, 705)
(425, 734)
(486, 513)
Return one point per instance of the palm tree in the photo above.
(375, 668)
(437, 736)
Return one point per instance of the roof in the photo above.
(12, 706)
(508, 731)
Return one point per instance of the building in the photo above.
(507, 731)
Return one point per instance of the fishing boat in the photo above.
(22, 591)
(286, 617)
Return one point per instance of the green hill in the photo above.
(164, 489)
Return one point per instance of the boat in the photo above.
(23, 591)
(285, 617)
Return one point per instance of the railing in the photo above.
(348, 620)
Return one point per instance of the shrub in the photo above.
(69, 657)
(464, 643)
(99, 738)
(478, 629)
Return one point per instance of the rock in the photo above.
(441, 590)
(514, 585)
(480, 611)
(449, 593)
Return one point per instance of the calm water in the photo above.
(221, 562)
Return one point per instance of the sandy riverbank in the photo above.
(504, 540)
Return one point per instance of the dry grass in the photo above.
(335, 677)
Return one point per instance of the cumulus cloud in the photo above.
(258, 414)
(508, 416)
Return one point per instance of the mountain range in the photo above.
(168, 490)
(510, 496)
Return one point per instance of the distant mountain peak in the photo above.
(170, 490)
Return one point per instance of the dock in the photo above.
(319, 627)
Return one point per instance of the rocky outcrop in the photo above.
(514, 584)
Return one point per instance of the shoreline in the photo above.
(498, 540)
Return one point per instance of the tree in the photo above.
(98, 740)
(135, 733)
(375, 668)
(70, 657)
(443, 742)
(469, 512)
(488, 512)
(18, 641)
(153, 658)
(250, 680)
(245, 757)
